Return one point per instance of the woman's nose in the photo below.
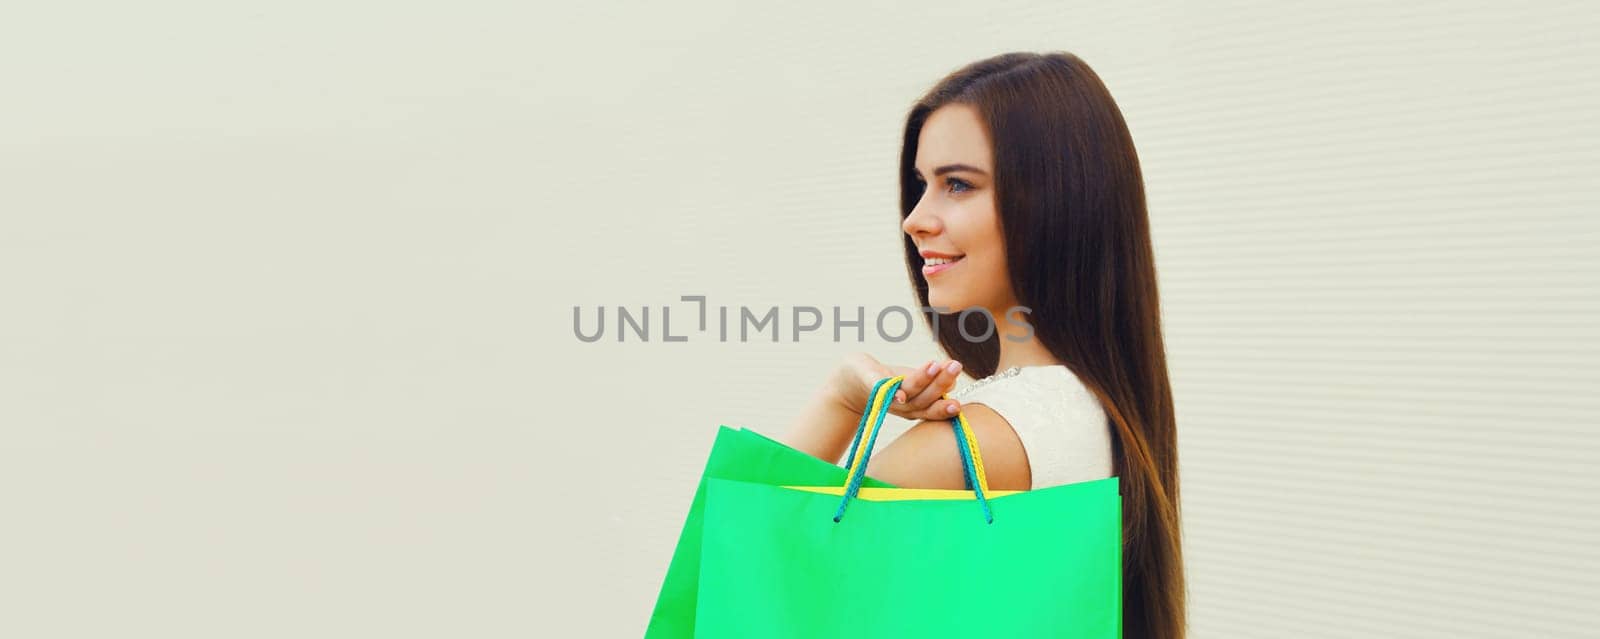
(920, 222)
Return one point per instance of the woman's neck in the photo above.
(1029, 352)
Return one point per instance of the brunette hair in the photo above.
(1072, 212)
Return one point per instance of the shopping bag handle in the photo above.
(867, 437)
(963, 431)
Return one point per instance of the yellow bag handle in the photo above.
(867, 436)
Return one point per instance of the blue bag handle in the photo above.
(871, 423)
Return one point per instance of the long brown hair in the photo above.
(1077, 234)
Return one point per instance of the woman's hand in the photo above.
(919, 396)
(828, 420)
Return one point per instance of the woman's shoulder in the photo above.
(1061, 424)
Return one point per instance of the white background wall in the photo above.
(286, 340)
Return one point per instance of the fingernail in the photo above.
(900, 397)
(953, 367)
(933, 368)
(950, 409)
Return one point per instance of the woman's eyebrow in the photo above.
(948, 168)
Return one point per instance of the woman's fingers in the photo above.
(916, 379)
(921, 392)
(924, 389)
(901, 395)
(939, 410)
(944, 409)
(943, 378)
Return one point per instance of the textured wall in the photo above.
(286, 342)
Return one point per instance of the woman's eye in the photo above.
(951, 182)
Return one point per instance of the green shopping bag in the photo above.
(837, 559)
(743, 455)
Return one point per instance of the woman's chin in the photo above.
(944, 302)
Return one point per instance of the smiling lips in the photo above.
(935, 265)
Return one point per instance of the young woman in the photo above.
(1020, 187)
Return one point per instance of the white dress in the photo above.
(1062, 426)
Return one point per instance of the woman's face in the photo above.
(956, 219)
